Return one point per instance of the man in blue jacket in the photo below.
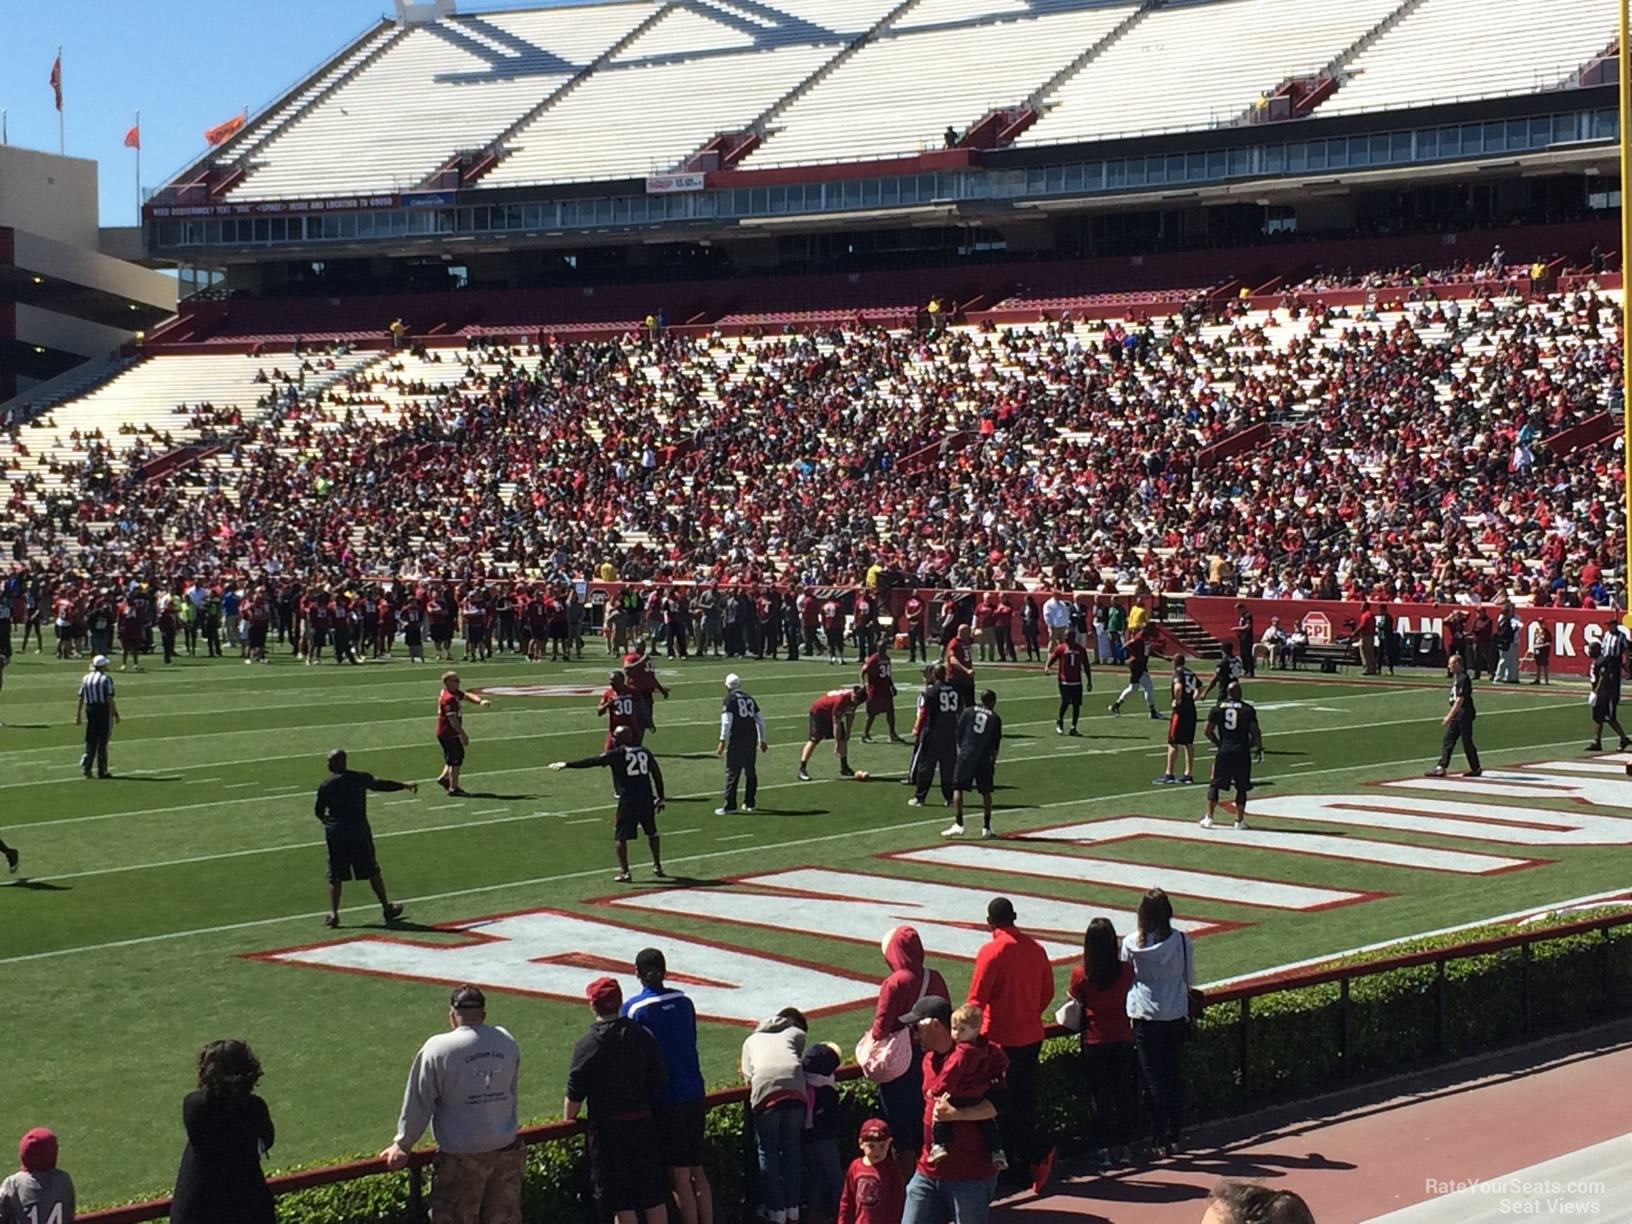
(678, 1106)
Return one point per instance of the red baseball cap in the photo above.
(38, 1150)
(875, 1128)
(604, 994)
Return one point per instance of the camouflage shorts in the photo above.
(477, 1187)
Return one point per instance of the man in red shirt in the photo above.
(875, 678)
(1003, 628)
(1070, 661)
(318, 621)
(863, 624)
(618, 704)
(642, 677)
(450, 730)
(960, 666)
(412, 618)
(960, 1184)
(912, 624)
(130, 634)
(810, 619)
(1014, 982)
(833, 627)
(830, 716)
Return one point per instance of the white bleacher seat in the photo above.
(669, 92)
(1200, 65)
(449, 85)
(1515, 47)
(147, 395)
(895, 95)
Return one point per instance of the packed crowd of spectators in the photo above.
(1402, 456)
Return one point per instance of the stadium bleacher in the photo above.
(1428, 56)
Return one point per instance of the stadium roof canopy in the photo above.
(641, 88)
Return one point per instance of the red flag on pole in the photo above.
(56, 80)
(133, 138)
(224, 131)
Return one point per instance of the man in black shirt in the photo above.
(936, 736)
(1606, 697)
(638, 783)
(980, 735)
(742, 733)
(1458, 723)
(1181, 726)
(1244, 636)
(616, 1068)
(342, 807)
(1228, 672)
(1232, 728)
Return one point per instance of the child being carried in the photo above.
(976, 1069)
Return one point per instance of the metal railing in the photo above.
(1241, 994)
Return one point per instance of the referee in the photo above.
(342, 807)
(742, 732)
(98, 712)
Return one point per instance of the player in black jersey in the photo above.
(1232, 727)
(937, 736)
(639, 785)
(980, 735)
(1458, 722)
(1181, 727)
(1229, 671)
(742, 733)
(1606, 697)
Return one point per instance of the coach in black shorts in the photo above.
(342, 807)
(1232, 728)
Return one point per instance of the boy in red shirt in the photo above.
(874, 1191)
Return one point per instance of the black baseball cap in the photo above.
(468, 998)
(930, 1007)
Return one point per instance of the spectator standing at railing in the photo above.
(678, 1107)
(229, 1132)
(463, 1085)
(1159, 1006)
(617, 1070)
(40, 1193)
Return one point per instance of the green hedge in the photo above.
(1293, 1046)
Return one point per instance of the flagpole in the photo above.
(62, 139)
(138, 169)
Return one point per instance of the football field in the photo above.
(182, 900)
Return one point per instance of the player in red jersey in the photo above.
(1069, 660)
(880, 686)
(1138, 650)
(130, 634)
(450, 730)
(830, 716)
(619, 704)
(960, 666)
(319, 619)
(642, 676)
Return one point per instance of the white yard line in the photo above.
(762, 850)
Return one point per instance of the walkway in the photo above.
(1553, 1116)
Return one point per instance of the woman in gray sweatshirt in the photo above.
(1159, 1006)
(773, 1064)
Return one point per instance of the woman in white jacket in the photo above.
(1159, 1006)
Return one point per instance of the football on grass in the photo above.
(861, 775)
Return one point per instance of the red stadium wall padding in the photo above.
(1571, 629)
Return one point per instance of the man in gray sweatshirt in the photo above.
(773, 1063)
(463, 1086)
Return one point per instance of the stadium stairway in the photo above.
(1034, 102)
(1197, 642)
(1330, 78)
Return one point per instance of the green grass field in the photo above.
(123, 943)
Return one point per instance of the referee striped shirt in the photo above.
(96, 689)
(1614, 647)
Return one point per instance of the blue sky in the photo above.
(185, 64)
